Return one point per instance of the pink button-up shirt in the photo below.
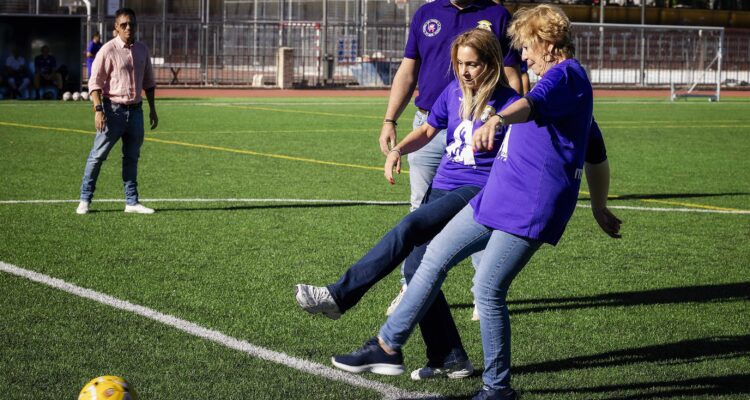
(121, 72)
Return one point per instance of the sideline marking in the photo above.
(308, 160)
(706, 210)
(388, 391)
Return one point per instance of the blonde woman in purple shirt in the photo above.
(479, 90)
(528, 199)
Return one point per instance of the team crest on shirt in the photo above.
(487, 113)
(431, 27)
(484, 24)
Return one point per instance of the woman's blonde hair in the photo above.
(485, 43)
(541, 25)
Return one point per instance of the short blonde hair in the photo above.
(540, 25)
(485, 43)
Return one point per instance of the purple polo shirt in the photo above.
(432, 30)
(461, 165)
(533, 187)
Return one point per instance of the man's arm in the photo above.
(513, 73)
(152, 116)
(149, 85)
(402, 88)
(597, 176)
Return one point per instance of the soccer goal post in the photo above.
(685, 59)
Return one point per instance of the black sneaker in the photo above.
(490, 394)
(371, 358)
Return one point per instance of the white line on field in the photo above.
(362, 202)
(388, 391)
(319, 201)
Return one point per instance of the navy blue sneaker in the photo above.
(371, 358)
(490, 394)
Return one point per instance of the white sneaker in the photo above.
(456, 371)
(139, 208)
(396, 301)
(83, 207)
(317, 300)
(475, 314)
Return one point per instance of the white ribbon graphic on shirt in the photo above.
(461, 150)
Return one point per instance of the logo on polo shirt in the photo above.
(431, 27)
(484, 24)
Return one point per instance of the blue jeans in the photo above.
(121, 124)
(417, 228)
(424, 162)
(504, 257)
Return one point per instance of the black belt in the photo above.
(134, 106)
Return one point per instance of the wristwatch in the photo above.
(98, 108)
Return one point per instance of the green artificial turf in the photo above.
(661, 313)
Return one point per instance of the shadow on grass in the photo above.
(690, 294)
(687, 351)
(703, 387)
(160, 210)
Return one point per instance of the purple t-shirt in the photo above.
(461, 165)
(533, 187)
(432, 30)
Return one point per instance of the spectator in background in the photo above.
(94, 45)
(46, 73)
(2, 84)
(121, 71)
(18, 74)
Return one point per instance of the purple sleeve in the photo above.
(412, 48)
(438, 117)
(90, 47)
(554, 96)
(596, 153)
(512, 57)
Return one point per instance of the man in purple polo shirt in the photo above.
(426, 64)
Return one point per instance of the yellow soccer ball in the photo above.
(108, 387)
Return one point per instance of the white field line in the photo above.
(362, 202)
(231, 200)
(309, 367)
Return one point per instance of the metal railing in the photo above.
(241, 53)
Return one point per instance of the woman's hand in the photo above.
(392, 161)
(609, 223)
(484, 137)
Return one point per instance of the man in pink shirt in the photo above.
(121, 70)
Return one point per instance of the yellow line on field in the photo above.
(209, 147)
(270, 155)
(674, 203)
(678, 203)
(47, 128)
(283, 110)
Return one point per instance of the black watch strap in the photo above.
(99, 108)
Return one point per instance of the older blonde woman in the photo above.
(528, 199)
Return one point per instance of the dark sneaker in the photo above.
(490, 394)
(371, 358)
(459, 370)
